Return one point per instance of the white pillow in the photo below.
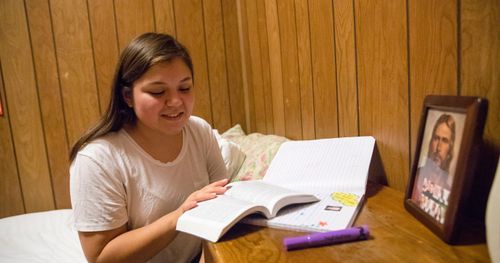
(259, 150)
(232, 155)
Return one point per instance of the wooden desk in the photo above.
(395, 236)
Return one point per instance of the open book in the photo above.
(211, 219)
(335, 171)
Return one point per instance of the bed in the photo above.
(50, 237)
(40, 237)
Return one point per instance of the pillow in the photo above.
(232, 155)
(259, 149)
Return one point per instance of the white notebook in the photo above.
(335, 170)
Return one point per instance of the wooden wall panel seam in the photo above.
(226, 71)
(207, 64)
(40, 110)
(336, 70)
(358, 104)
(408, 58)
(231, 118)
(154, 15)
(254, 67)
(234, 60)
(301, 121)
(272, 22)
(290, 70)
(11, 142)
(93, 60)
(265, 66)
(115, 15)
(63, 110)
(304, 55)
(312, 75)
(243, 64)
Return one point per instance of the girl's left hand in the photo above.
(208, 192)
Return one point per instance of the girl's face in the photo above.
(163, 97)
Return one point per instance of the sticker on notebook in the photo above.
(335, 208)
(347, 199)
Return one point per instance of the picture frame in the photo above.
(448, 144)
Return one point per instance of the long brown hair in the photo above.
(141, 54)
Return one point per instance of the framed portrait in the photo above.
(448, 143)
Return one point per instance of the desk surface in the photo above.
(395, 235)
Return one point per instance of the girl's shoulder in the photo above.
(198, 125)
(108, 144)
(198, 121)
(198, 129)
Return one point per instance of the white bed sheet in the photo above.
(40, 237)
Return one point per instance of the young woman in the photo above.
(146, 161)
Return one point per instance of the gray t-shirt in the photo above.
(114, 181)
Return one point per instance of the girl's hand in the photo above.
(205, 193)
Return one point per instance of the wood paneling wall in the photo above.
(57, 62)
(297, 68)
(361, 67)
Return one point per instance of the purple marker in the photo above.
(327, 238)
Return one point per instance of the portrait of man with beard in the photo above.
(433, 180)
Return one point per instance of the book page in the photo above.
(323, 166)
(220, 210)
(273, 197)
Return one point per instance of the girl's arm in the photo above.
(141, 244)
